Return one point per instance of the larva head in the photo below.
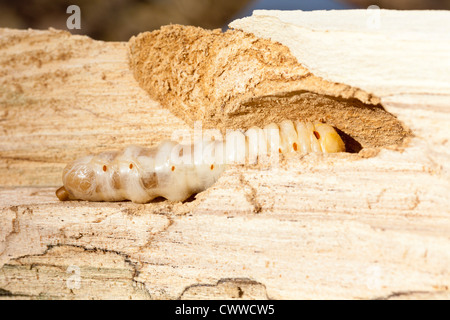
(328, 138)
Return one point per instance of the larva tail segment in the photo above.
(62, 194)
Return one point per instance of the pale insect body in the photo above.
(176, 171)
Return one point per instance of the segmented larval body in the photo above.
(175, 171)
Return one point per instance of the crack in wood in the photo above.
(411, 294)
(126, 258)
(15, 228)
(252, 195)
(234, 288)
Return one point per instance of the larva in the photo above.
(175, 171)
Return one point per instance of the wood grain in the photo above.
(367, 225)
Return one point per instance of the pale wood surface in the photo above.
(402, 51)
(374, 225)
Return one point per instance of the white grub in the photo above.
(176, 171)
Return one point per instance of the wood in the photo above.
(234, 80)
(366, 225)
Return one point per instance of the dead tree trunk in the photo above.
(371, 223)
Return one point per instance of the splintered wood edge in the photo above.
(235, 80)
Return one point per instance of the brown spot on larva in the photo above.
(279, 150)
(316, 134)
(294, 145)
(105, 168)
(173, 168)
(180, 154)
(116, 180)
(212, 167)
(149, 180)
(131, 166)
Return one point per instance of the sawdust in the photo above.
(235, 80)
